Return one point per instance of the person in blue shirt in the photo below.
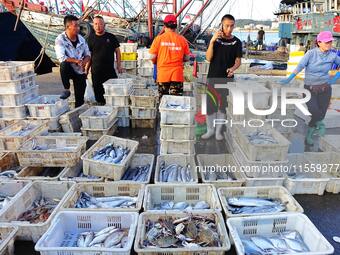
(317, 63)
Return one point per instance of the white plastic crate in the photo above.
(5, 123)
(62, 151)
(309, 182)
(12, 70)
(118, 87)
(123, 111)
(177, 147)
(155, 194)
(155, 216)
(143, 113)
(17, 86)
(47, 106)
(177, 116)
(267, 225)
(143, 53)
(49, 190)
(269, 192)
(128, 47)
(72, 174)
(33, 173)
(10, 142)
(104, 169)
(144, 98)
(53, 122)
(330, 143)
(145, 63)
(66, 227)
(91, 121)
(70, 121)
(179, 132)
(145, 71)
(129, 64)
(203, 67)
(208, 164)
(7, 237)
(19, 98)
(262, 152)
(95, 134)
(120, 101)
(182, 160)
(106, 189)
(123, 122)
(13, 112)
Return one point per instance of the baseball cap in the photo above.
(325, 36)
(170, 18)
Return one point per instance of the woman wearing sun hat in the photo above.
(317, 63)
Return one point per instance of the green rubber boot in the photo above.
(309, 136)
(320, 127)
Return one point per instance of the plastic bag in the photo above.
(89, 93)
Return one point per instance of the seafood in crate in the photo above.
(111, 154)
(140, 168)
(98, 117)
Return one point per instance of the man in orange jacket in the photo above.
(169, 51)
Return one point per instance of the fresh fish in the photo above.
(23, 131)
(263, 243)
(259, 137)
(4, 200)
(172, 105)
(175, 173)
(250, 248)
(101, 238)
(81, 241)
(180, 206)
(8, 174)
(253, 205)
(201, 205)
(111, 154)
(167, 205)
(88, 239)
(170, 205)
(105, 230)
(114, 239)
(249, 201)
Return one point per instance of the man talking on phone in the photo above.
(224, 54)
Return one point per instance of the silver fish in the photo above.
(175, 173)
(88, 239)
(173, 105)
(180, 206)
(249, 201)
(259, 137)
(113, 239)
(202, 205)
(81, 241)
(105, 230)
(262, 242)
(111, 154)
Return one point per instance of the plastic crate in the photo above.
(123, 121)
(130, 64)
(269, 192)
(155, 194)
(47, 106)
(8, 160)
(123, 111)
(7, 236)
(120, 101)
(145, 63)
(145, 71)
(310, 182)
(17, 86)
(202, 78)
(179, 132)
(128, 47)
(262, 152)
(143, 54)
(143, 113)
(267, 225)
(106, 189)
(104, 169)
(9, 142)
(12, 70)
(154, 216)
(143, 123)
(177, 116)
(131, 71)
(39, 189)
(177, 147)
(33, 173)
(64, 151)
(95, 134)
(53, 122)
(66, 227)
(19, 98)
(118, 87)
(13, 112)
(70, 121)
(330, 143)
(128, 56)
(91, 121)
(182, 160)
(208, 163)
(141, 159)
(72, 174)
(143, 98)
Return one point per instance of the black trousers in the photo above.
(98, 78)
(214, 94)
(67, 73)
(319, 102)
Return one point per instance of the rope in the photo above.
(43, 47)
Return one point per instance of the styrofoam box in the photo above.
(39, 189)
(145, 71)
(12, 189)
(268, 192)
(47, 106)
(174, 215)
(145, 63)
(179, 132)
(12, 70)
(70, 121)
(19, 98)
(104, 169)
(186, 147)
(72, 174)
(123, 122)
(177, 116)
(143, 113)
(128, 47)
(120, 101)
(129, 64)
(17, 86)
(117, 87)
(209, 164)
(182, 160)
(308, 182)
(90, 120)
(67, 225)
(267, 225)
(155, 194)
(7, 236)
(13, 112)
(330, 143)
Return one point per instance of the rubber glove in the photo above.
(334, 79)
(288, 80)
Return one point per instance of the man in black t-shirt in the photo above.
(224, 54)
(103, 47)
(260, 38)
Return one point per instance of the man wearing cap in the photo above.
(169, 51)
(317, 63)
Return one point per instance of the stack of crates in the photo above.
(177, 125)
(129, 57)
(145, 65)
(143, 108)
(50, 108)
(203, 68)
(117, 92)
(17, 87)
